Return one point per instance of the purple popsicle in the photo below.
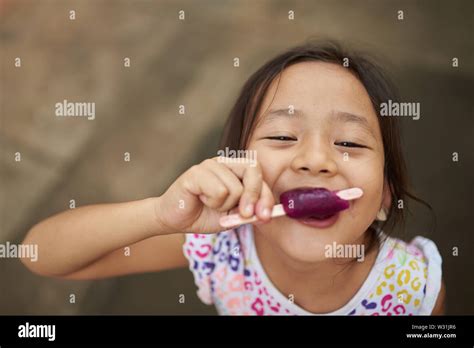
(311, 202)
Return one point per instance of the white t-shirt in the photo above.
(405, 279)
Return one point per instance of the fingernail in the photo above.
(266, 212)
(249, 209)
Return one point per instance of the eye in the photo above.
(349, 144)
(281, 138)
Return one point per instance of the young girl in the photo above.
(307, 118)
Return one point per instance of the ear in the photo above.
(386, 196)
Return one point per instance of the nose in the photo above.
(314, 156)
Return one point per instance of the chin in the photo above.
(305, 243)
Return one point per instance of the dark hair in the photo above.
(243, 116)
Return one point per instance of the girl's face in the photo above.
(319, 130)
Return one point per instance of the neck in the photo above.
(318, 287)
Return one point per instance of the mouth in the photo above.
(319, 221)
(310, 188)
(278, 194)
(315, 206)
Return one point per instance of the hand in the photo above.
(205, 192)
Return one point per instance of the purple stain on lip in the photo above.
(312, 202)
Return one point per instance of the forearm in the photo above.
(73, 239)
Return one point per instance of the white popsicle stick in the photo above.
(350, 194)
(234, 220)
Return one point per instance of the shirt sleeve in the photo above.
(434, 273)
(211, 256)
(198, 250)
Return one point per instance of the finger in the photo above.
(252, 181)
(230, 180)
(251, 175)
(238, 168)
(265, 203)
(207, 185)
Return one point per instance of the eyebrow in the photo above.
(347, 117)
(337, 117)
(282, 112)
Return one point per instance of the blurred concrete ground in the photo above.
(191, 63)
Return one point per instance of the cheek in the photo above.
(365, 172)
(368, 175)
(372, 185)
(367, 207)
(271, 168)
